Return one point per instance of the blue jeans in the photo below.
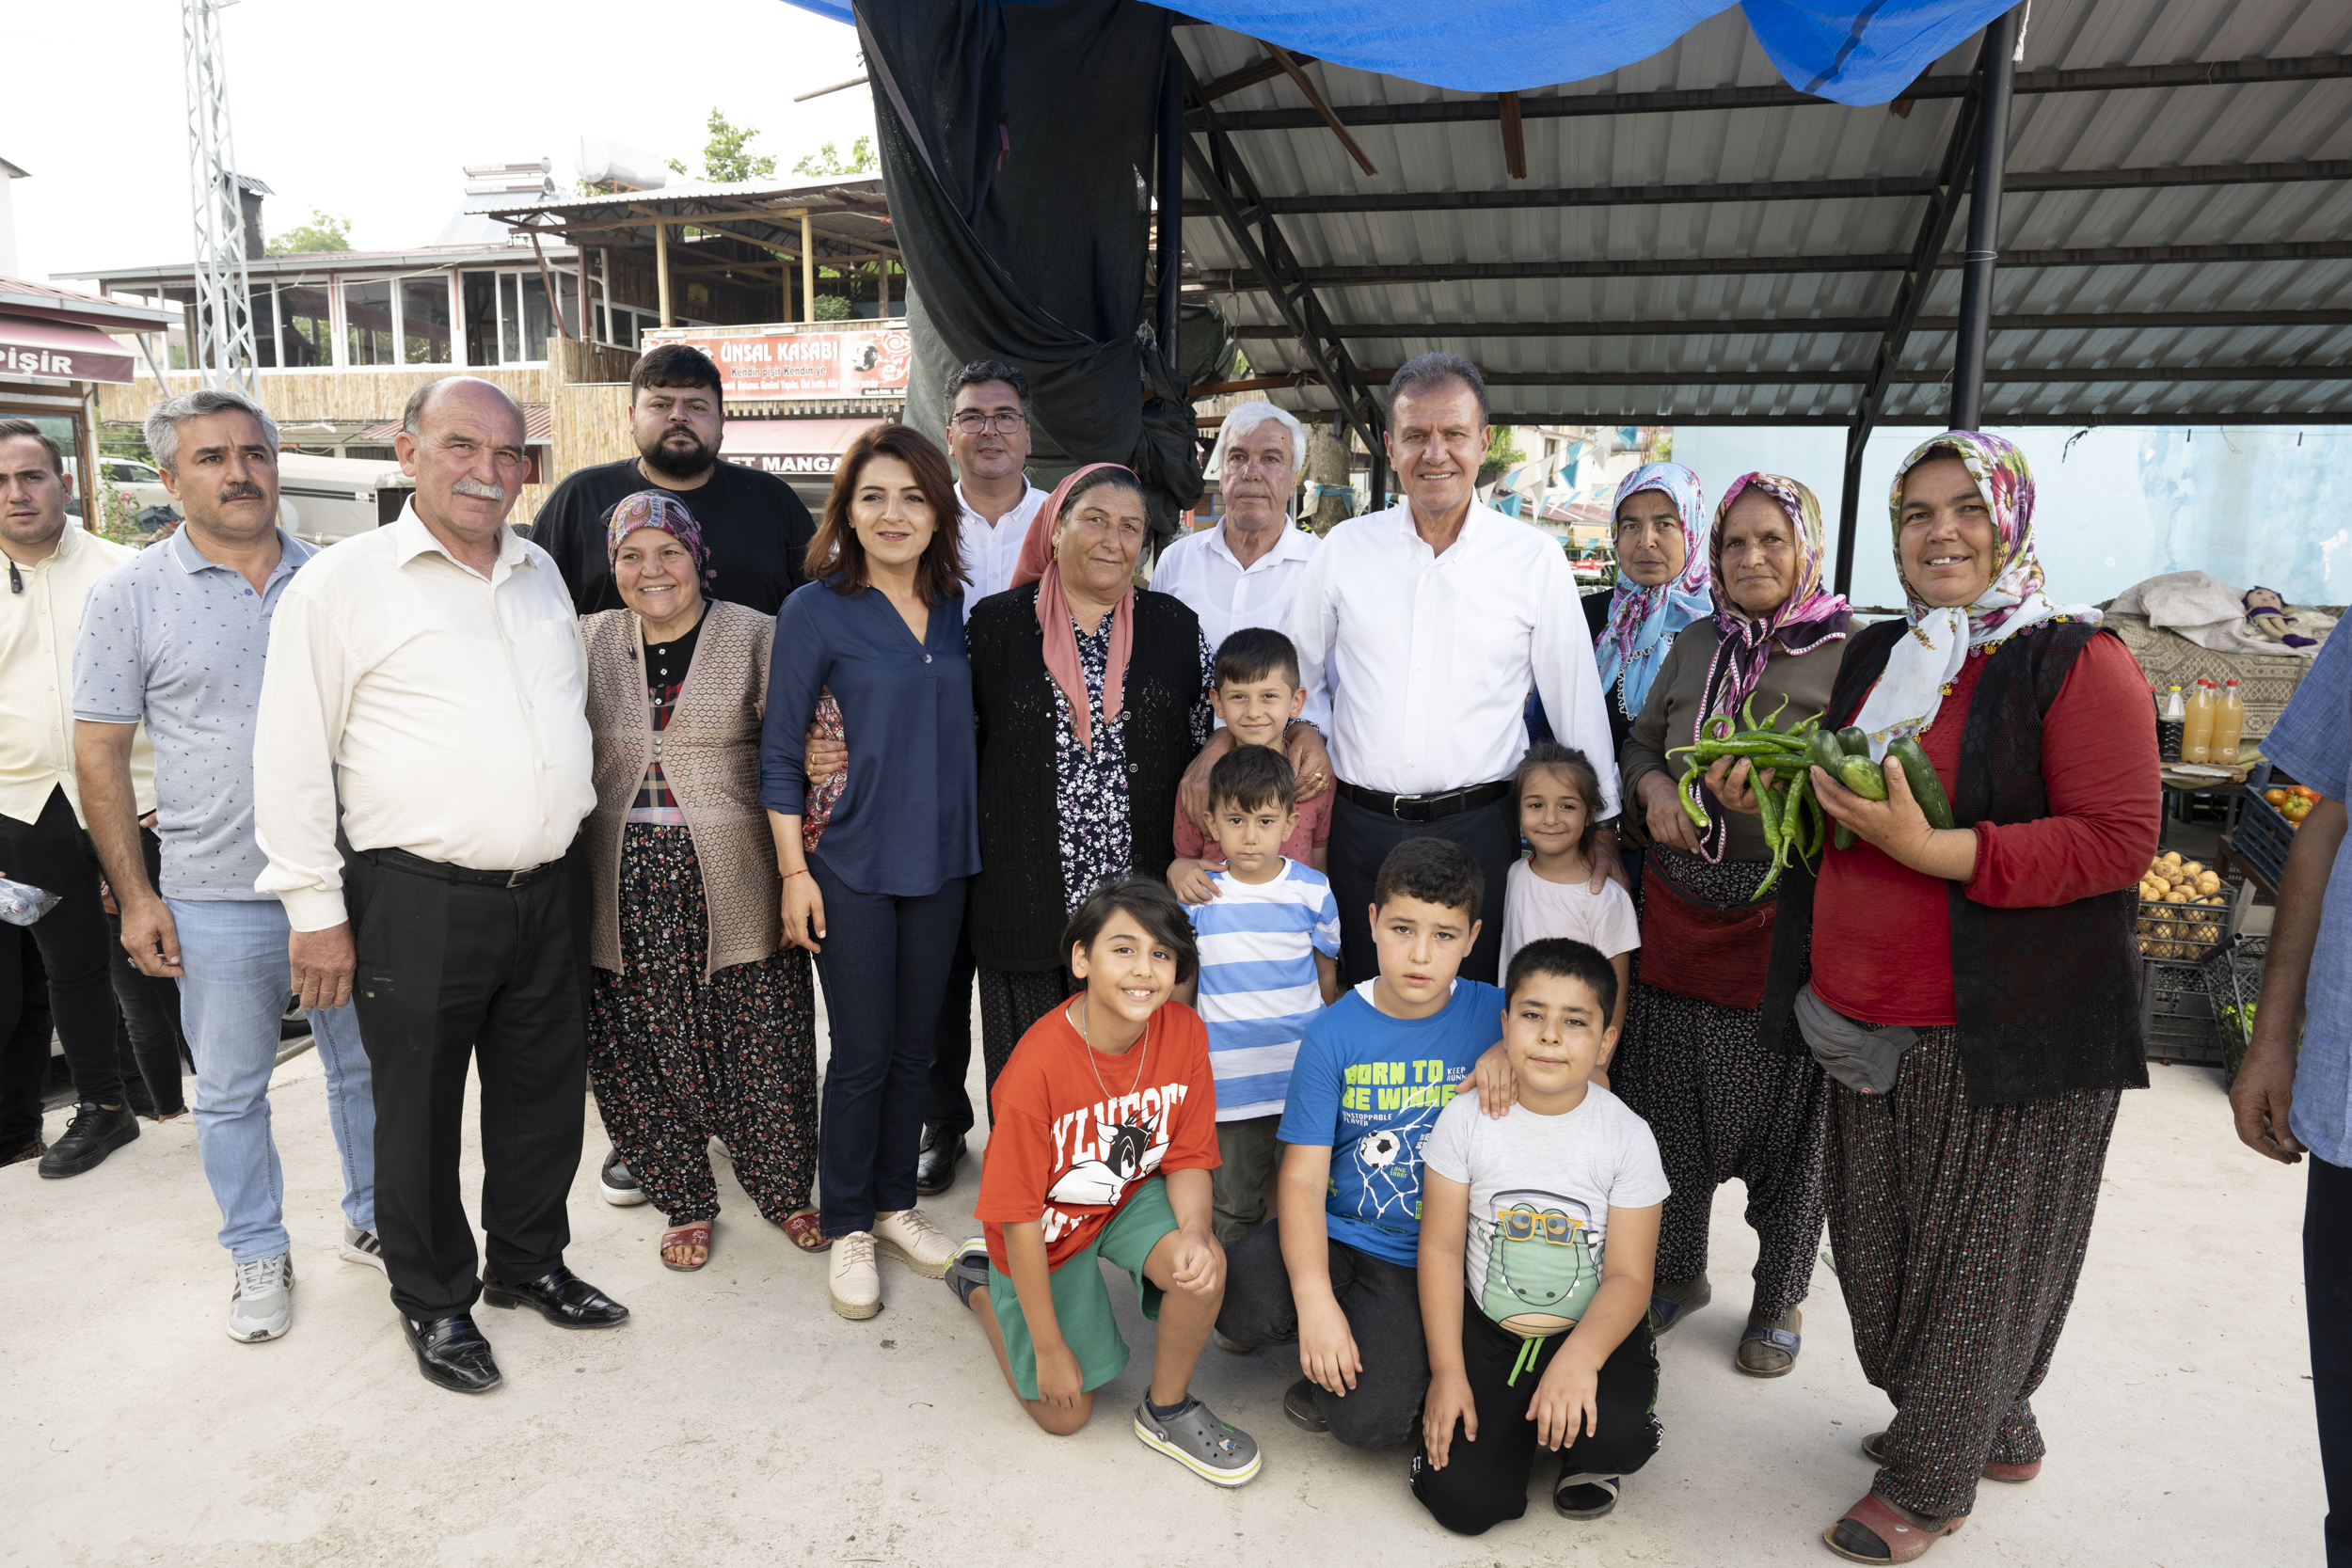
(232, 995)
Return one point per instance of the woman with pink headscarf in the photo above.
(1724, 1101)
(1092, 697)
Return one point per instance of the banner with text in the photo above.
(838, 359)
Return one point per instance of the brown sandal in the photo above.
(696, 1235)
(805, 1233)
(1902, 1540)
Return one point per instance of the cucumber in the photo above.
(1844, 836)
(1853, 742)
(1863, 777)
(1926, 787)
(1826, 754)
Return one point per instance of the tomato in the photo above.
(2276, 796)
(2297, 809)
(2305, 791)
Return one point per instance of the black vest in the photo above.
(2048, 999)
(1017, 907)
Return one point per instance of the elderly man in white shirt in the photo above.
(431, 674)
(1243, 572)
(1423, 627)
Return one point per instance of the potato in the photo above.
(2176, 897)
(2192, 868)
(2171, 858)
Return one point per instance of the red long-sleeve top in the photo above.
(1883, 932)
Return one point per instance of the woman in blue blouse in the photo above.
(877, 893)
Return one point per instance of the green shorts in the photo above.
(1082, 1303)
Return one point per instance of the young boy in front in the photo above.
(1334, 1271)
(1269, 963)
(1257, 695)
(1102, 1135)
(1539, 1237)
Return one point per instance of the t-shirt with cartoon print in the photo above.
(1370, 1086)
(1073, 1131)
(1540, 1191)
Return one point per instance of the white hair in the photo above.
(1241, 421)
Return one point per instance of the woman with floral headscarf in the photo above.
(1661, 587)
(1988, 970)
(701, 1027)
(1728, 1096)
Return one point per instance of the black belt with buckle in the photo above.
(401, 860)
(1426, 808)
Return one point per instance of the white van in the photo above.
(327, 498)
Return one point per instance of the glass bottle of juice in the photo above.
(2197, 728)
(2170, 722)
(2229, 727)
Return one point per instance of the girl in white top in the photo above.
(1550, 893)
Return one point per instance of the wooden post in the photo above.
(882, 312)
(808, 271)
(662, 267)
(547, 281)
(587, 311)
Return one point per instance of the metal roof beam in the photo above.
(2194, 74)
(1235, 281)
(1796, 190)
(1784, 326)
(1273, 267)
(1927, 376)
(2062, 419)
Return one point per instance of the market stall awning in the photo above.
(30, 346)
(791, 446)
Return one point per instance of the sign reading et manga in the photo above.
(834, 360)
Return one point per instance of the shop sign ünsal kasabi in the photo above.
(838, 359)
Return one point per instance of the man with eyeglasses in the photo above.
(988, 436)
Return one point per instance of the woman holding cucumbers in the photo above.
(1723, 1100)
(1978, 932)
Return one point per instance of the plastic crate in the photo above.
(2185, 933)
(2233, 978)
(2263, 835)
(2177, 1015)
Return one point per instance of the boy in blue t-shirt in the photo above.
(1334, 1271)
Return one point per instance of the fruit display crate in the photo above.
(2185, 933)
(2263, 835)
(2178, 1015)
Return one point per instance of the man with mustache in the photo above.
(175, 640)
(429, 679)
(51, 570)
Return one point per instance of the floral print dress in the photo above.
(1091, 787)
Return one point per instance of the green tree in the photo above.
(325, 232)
(726, 156)
(827, 159)
(1503, 454)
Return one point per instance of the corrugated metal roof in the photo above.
(1398, 283)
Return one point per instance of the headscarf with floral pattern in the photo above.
(1643, 621)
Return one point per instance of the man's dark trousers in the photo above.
(55, 854)
(1362, 839)
(2327, 1300)
(448, 972)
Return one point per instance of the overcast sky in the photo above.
(372, 112)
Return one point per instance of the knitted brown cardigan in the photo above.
(710, 755)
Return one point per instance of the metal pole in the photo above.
(1849, 505)
(1171, 213)
(1984, 222)
(1379, 500)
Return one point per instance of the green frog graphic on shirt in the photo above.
(1542, 1264)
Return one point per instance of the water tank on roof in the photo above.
(602, 162)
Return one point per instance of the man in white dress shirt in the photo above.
(431, 675)
(1422, 628)
(1243, 572)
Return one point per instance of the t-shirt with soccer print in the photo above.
(1073, 1132)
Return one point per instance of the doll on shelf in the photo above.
(2266, 617)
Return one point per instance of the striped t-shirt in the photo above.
(1258, 986)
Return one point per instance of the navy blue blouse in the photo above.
(908, 820)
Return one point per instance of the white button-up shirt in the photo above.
(452, 708)
(1425, 659)
(989, 551)
(39, 628)
(1202, 570)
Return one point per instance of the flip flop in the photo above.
(1874, 1449)
(693, 1235)
(1904, 1541)
(805, 1232)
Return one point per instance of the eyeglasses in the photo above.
(973, 422)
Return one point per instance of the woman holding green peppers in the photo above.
(1724, 1101)
(1981, 947)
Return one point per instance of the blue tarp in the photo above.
(1854, 53)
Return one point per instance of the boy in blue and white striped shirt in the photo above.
(1269, 951)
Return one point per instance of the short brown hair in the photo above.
(836, 551)
(12, 428)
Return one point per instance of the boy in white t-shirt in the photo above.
(1549, 1214)
(1550, 893)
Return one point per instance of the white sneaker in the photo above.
(263, 1303)
(915, 1241)
(849, 1272)
(361, 1246)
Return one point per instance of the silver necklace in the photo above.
(1143, 1056)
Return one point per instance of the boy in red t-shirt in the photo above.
(1104, 1135)
(1256, 698)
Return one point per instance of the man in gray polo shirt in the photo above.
(176, 637)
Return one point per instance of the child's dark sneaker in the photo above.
(1299, 1403)
(1195, 1438)
(968, 1271)
(1585, 1495)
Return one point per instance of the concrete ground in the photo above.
(737, 1419)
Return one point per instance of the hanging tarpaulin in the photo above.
(1848, 51)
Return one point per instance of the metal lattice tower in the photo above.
(222, 352)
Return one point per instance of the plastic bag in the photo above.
(22, 904)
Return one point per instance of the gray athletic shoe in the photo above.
(1195, 1438)
(361, 1246)
(263, 1303)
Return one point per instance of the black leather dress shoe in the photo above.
(94, 1134)
(559, 1296)
(452, 1354)
(936, 1166)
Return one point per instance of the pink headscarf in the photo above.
(1037, 564)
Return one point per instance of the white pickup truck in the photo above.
(319, 499)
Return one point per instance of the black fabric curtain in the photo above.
(1016, 145)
